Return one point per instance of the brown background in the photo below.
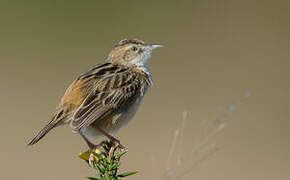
(215, 52)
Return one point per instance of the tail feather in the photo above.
(41, 133)
(58, 119)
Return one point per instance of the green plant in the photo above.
(106, 167)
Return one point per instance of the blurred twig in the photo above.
(201, 149)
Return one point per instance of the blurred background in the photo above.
(216, 51)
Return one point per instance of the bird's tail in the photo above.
(57, 119)
(42, 133)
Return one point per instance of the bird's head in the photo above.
(132, 52)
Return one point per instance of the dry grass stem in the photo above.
(201, 148)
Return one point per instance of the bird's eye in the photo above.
(134, 48)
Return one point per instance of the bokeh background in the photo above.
(215, 52)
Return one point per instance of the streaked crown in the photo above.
(130, 41)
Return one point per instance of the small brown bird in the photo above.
(102, 100)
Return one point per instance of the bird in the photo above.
(105, 98)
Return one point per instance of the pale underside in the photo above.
(112, 123)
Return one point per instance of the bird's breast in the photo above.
(116, 121)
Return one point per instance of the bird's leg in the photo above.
(89, 143)
(112, 138)
(115, 142)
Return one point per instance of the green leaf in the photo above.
(93, 178)
(127, 174)
(116, 166)
(120, 154)
(110, 167)
(112, 178)
(106, 148)
(102, 170)
(94, 164)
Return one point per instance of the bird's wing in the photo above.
(108, 94)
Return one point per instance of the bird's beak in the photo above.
(154, 46)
